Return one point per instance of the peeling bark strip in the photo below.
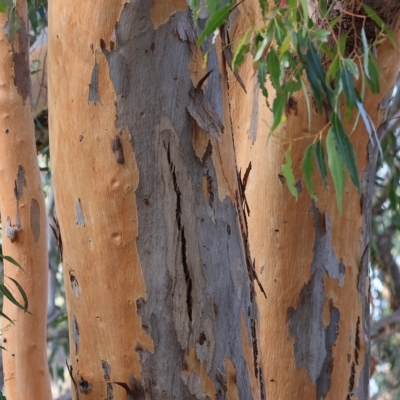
(106, 375)
(20, 182)
(79, 217)
(324, 255)
(94, 85)
(35, 219)
(12, 230)
(117, 148)
(20, 58)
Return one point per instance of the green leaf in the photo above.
(262, 77)
(287, 172)
(345, 149)
(321, 34)
(10, 297)
(336, 168)
(6, 3)
(319, 154)
(307, 167)
(215, 21)
(366, 53)
(348, 89)
(274, 69)
(373, 83)
(12, 261)
(3, 10)
(6, 317)
(304, 7)
(374, 16)
(261, 49)
(242, 49)
(352, 67)
(264, 7)
(367, 121)
(278, 106)
(22, 292)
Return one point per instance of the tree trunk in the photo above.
(311, 261)
(160, 296)
(23, 219)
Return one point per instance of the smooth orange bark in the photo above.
(24, 223)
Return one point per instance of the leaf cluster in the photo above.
(299, 50)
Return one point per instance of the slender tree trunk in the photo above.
(160, 298)
(24, 220)
(311, 261)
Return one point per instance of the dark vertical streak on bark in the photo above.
(106, 375)
(22, 75)
(181, 229)
(75, 334)
(79, 217)
(94, 85)
(117, 148)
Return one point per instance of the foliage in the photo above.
(294, 44)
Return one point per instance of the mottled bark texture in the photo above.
(24, 221)
(312, 262)
(159, 278)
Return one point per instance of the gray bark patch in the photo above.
(34, 219)
(313, 342)
(79, 216)
(75, 334)
(184, 267)
(324, 255)
(94, 85)
(306, 326)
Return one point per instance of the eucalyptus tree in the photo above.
(210, 248)
(23, 216)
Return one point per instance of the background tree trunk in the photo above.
(311, 261)
(24, 221)
(160, 295)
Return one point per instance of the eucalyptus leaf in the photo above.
(287, 172)
(345, 149)
(10, 297)
(319, 154)
(307, 167)
(12, 261)
(242, 49)
(336, 168)
(214, 22)
(22, 292)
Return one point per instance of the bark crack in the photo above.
(181, 229)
